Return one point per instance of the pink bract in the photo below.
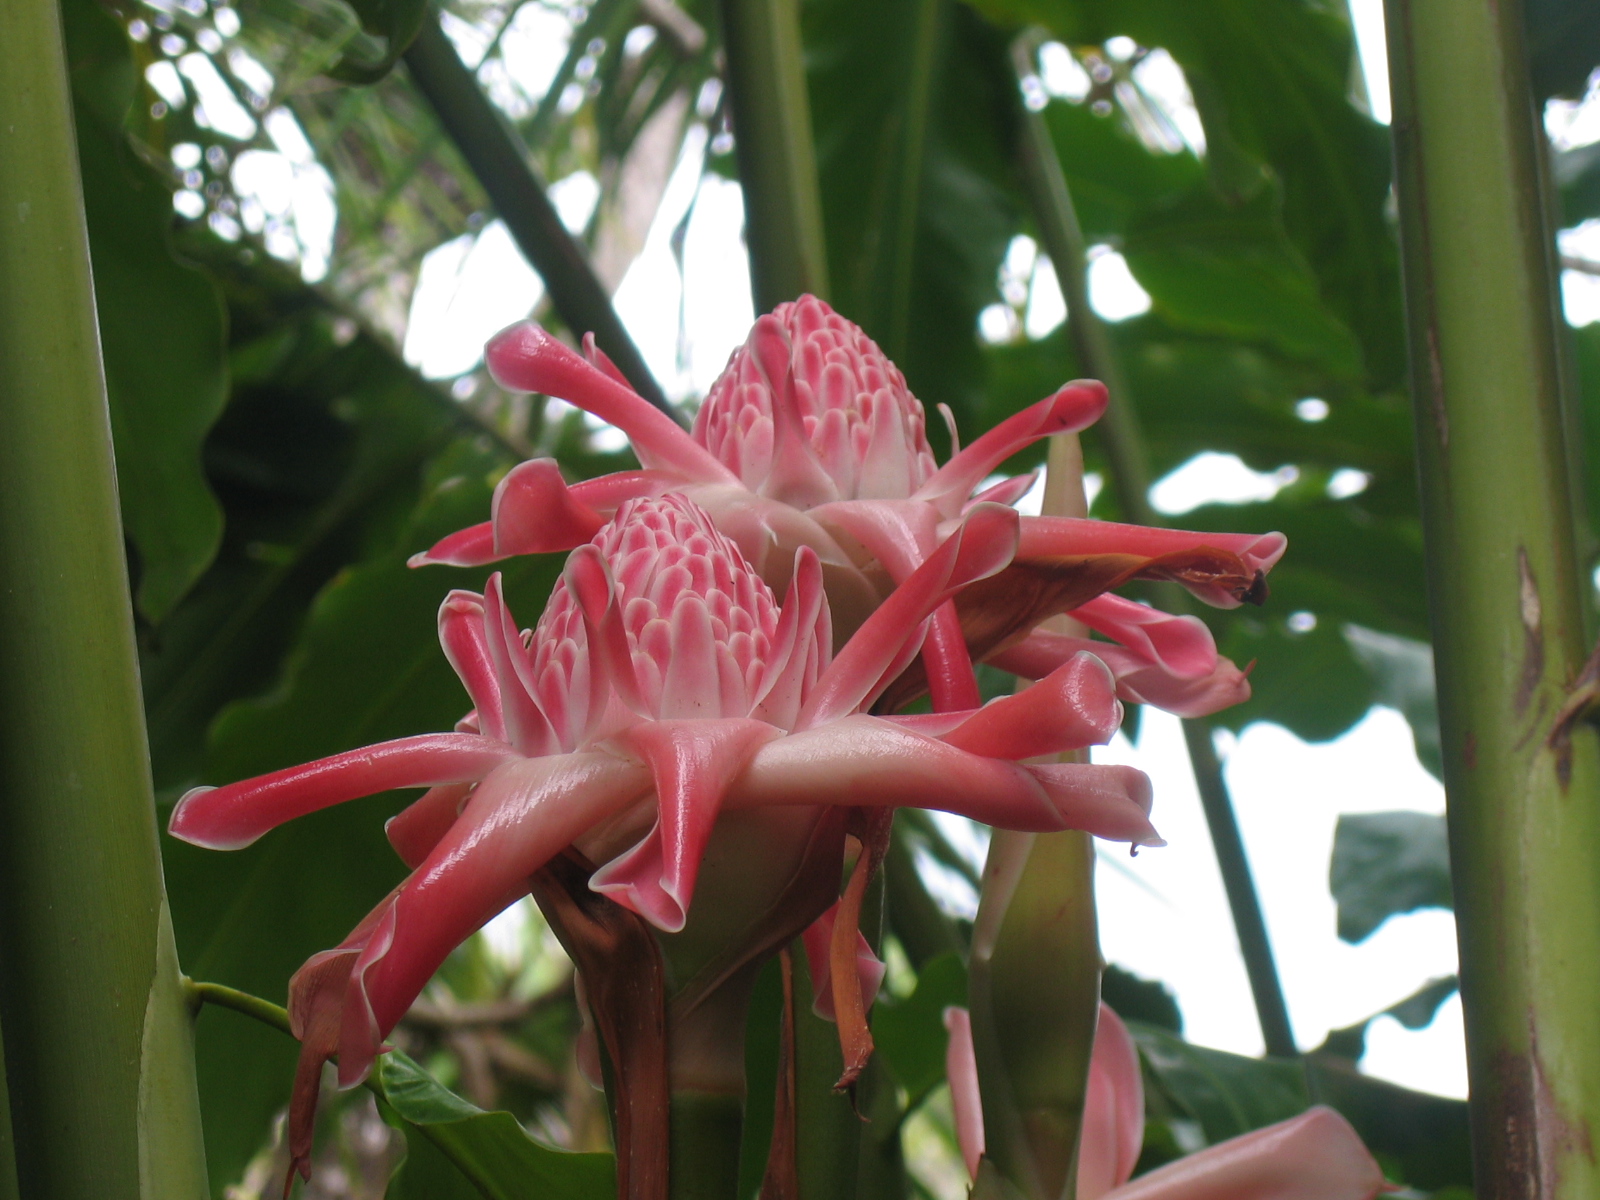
(663, 687)
(811, 438)
(1314, 1156)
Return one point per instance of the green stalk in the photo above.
(99, 1060)
(501, 165)
(1524, 791)
(1034, 971)
(1123, 443)
(1034, 994)
(777, 160)
(8, 1142)
(900, 223)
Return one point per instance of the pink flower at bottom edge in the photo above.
(1314, 1156)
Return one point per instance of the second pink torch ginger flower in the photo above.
(1315, 1156)
(811, 437)
(664, 687)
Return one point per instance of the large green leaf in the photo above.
(1270, 80)
(910, 1033)
(1387, 863)
(455, 1149)
(959, 216)
(161, 326)
(1230, 271)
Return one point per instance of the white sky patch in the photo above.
(288, 137)
(531, 52)
(467, 290)
(163, 76)
(1164, 915)
(249, 72)
(1063, 76)
(472, 287)
(216, 106)
(717, 307)
(1161, 78)
(1580, 290)
(1212, 478)
(1347, 482)
(574, 198)
(1373, 48)
(1573, 123)
(287, 197)
(1113, 291)
(1047, 307)
(650, 298)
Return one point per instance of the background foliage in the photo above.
(279, 460)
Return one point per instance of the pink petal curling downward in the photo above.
(870, 969)
(1314, 1156)
(1157, 658)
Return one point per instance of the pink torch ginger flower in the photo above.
(1315, 1156)
(811, 438)
(663, 686)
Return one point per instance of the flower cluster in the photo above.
(669, 719)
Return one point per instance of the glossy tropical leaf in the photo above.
(1387, 863)
(451, 1143)
(1421, 1139)
(1270, 82)
(910, 1033)
(161, 327)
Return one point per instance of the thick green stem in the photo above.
(777, 161)
(706, 1131)
(500, 164)
(98, 1054)
(1524, 795)
(1034, 992)
(1123, 444)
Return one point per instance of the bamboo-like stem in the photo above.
(99, 1059)
(777, 161)
(500, 164)
(1123, 443)
(1504, 589)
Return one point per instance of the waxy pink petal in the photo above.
(461, 633)
(231, 817)
(1181, 645)
(1315, 1156)
(981, 545)
(527, 359)
(1113, 1110)
(966, 1101)
(1075, 406)
(520, 816)
(818, 942)
(693, 764)
(1071, 537)
(871, 761)
(1074, 706)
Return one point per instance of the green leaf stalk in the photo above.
(1523, 786)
